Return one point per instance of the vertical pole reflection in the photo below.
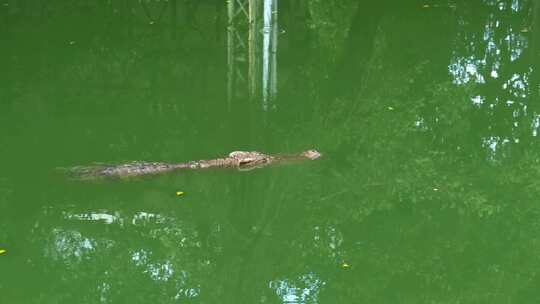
(273, 68)
(252, 45)
(269, 52)
(252, 50)
(230, 50)
(267, 16)
(535, 79)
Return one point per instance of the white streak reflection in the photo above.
(329, 240)
(69, 245)
(465, 70)
(535, 125)
(303, 289)
(91, 216)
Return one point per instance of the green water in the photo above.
(427, 115)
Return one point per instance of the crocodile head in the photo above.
(311, 154)
(250, 160)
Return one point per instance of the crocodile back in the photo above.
(219, 163)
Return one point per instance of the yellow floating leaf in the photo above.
(2, 251)
(179, 193)
(345, 265)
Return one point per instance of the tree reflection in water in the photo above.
(490, 51)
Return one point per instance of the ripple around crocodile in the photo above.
(241, 160)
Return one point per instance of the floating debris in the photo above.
(2, 251)
(345, 265)
(179, 193)
(390, 108)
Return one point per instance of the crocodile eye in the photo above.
(245, 161)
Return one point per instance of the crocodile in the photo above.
(241, 160)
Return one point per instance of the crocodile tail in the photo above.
(85, 172)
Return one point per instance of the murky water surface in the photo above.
(427, 115)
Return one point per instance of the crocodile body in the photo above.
(240, 160)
